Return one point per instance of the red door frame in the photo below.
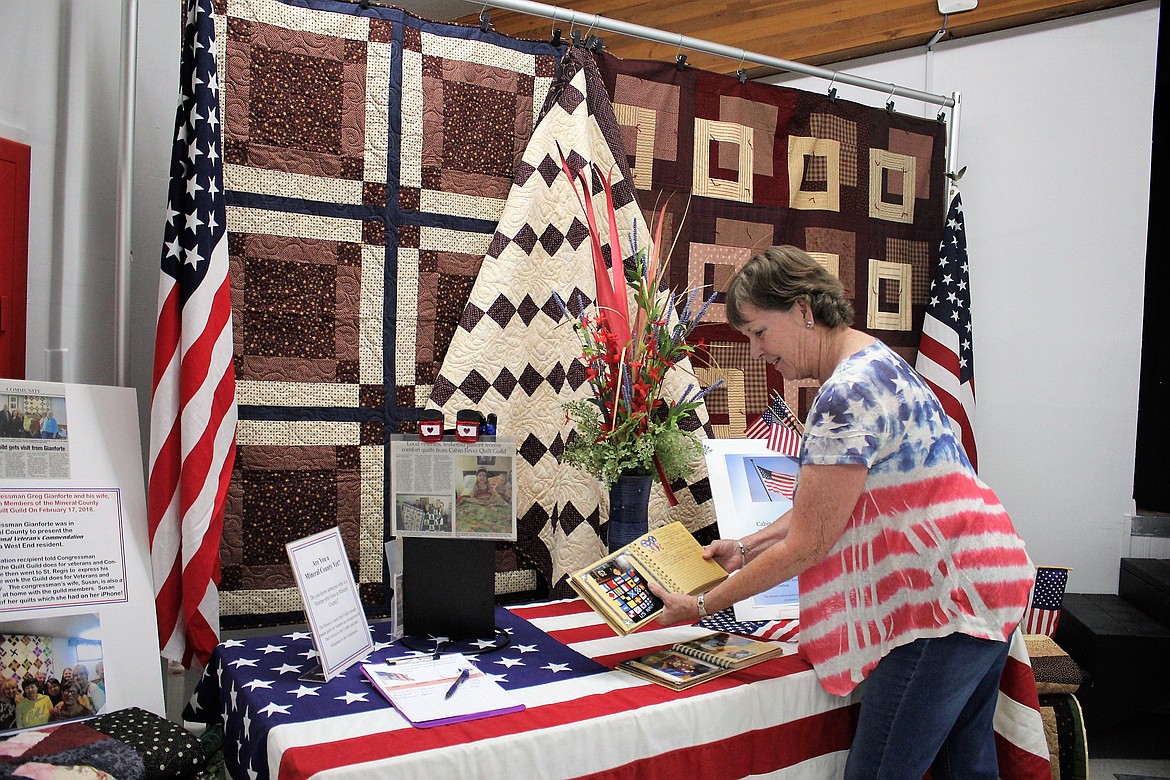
(15, 164)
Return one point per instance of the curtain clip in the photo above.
(556, 31)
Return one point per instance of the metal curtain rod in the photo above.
(127, 97)
(597, 22)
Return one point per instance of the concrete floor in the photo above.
(1138, 750)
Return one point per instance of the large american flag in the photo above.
(944, 353)
(779, 426)
(193, 410)
(582, 719)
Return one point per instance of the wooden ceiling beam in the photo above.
(814, 32)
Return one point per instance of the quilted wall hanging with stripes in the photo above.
(369, 158)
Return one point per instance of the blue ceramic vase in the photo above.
(629, 505)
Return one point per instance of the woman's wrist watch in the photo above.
(701, 606)
(743, 553)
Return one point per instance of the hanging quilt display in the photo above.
(368, 155)
(515, 353)
(755, 165)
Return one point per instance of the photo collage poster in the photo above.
(78, 634)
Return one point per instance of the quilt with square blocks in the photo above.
(368, 155)
(753, 165)
(397, 222)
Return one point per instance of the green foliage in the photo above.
(629, 425)
(607, 456)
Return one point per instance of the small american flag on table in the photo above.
(787, 630)
(1043, 611)
(779, 426)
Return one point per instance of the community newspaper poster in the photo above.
(453, 489)
(77, 614)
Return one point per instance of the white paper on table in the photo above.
(418, 688)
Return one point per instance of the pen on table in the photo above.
(458, 681)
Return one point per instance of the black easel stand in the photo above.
(449, 587)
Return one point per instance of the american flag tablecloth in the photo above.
(581, 719)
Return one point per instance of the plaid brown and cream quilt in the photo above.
(382, 174)
(368, 155)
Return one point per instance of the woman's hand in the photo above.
(677, 608)
(724, 552)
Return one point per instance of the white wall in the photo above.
(73, 133)
(1055, 132)
(59, 93)
(157, 100)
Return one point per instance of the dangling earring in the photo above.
(808, 325)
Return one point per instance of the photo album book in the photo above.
(690, 663)
(617, 586)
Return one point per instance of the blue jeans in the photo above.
(930, 704)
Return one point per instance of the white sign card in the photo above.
(341, 634)
(393, 549)
(748, 486)
(453, 489)
(76, 590)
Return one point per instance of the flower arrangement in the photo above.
(628, 425)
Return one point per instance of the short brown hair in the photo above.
(782, 276)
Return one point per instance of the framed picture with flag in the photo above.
(752, 485)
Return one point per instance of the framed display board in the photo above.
(453, 489)
(76, 596)
(751, 486)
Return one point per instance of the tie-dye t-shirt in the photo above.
(928, 550)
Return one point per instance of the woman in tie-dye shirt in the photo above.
(911, 574)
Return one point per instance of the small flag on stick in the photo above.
(779, 426)
(1043, 611)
